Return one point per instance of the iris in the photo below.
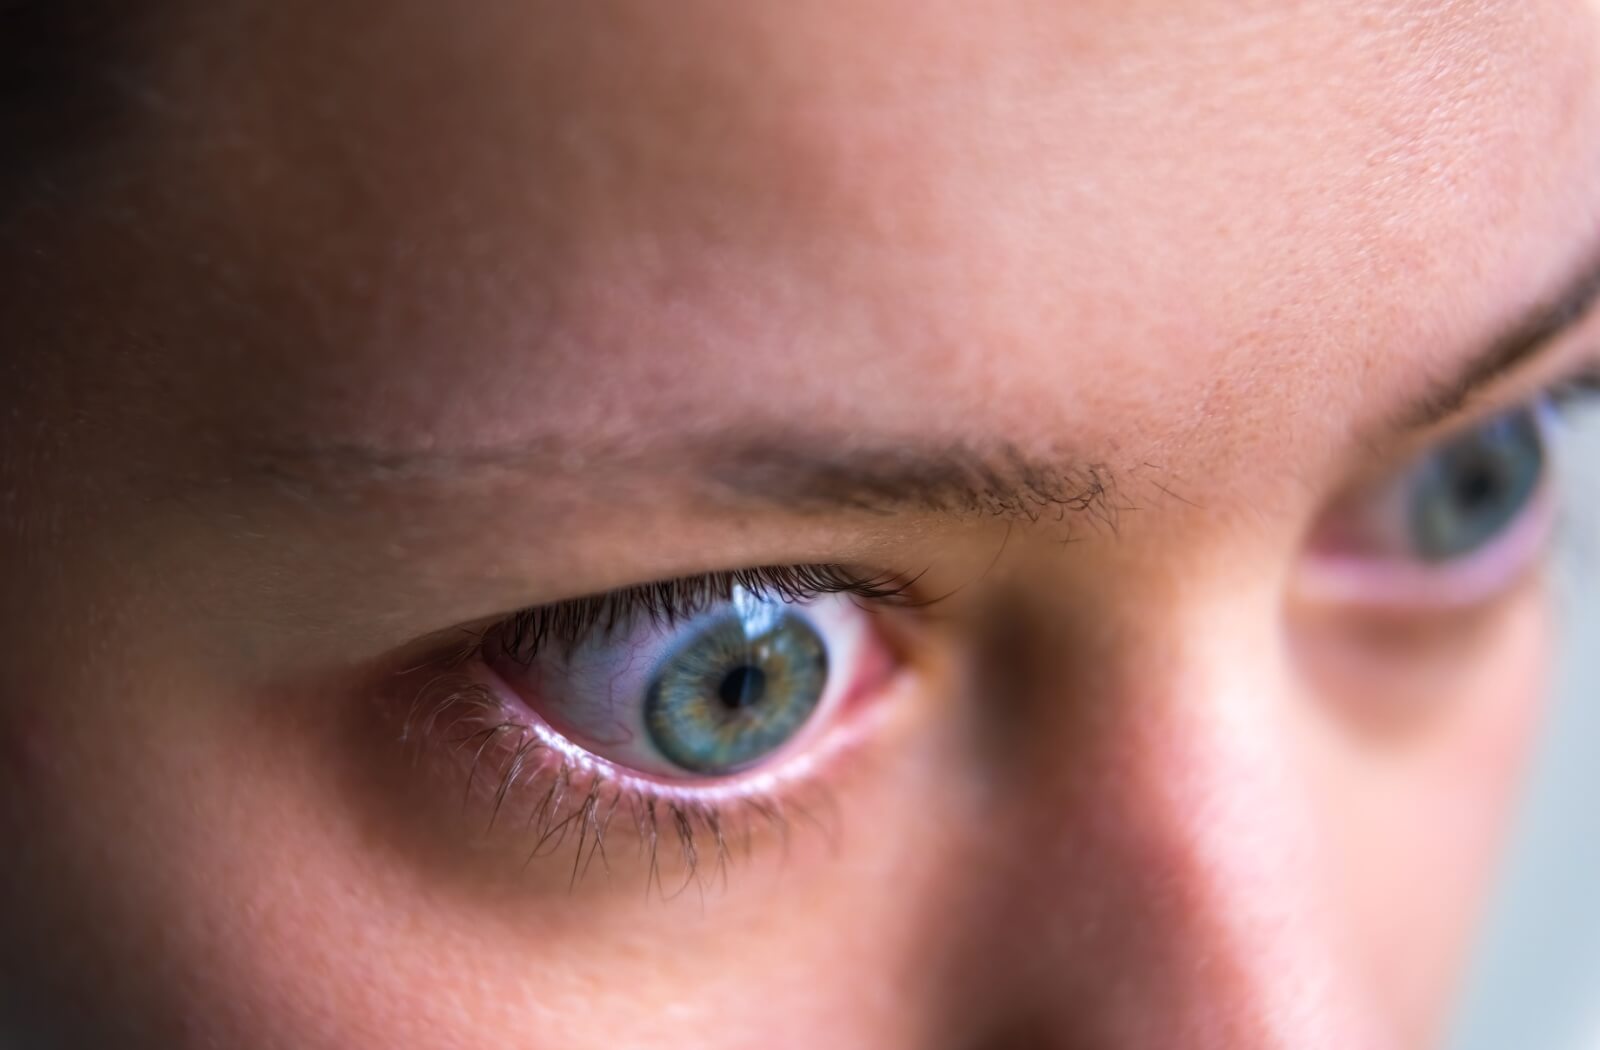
(737, 689)
(1469, 491)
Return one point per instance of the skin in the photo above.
(361, 326)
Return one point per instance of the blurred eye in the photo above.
(1456, 526)
(708, 696)
(1473, 489)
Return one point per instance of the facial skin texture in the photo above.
(367, 321)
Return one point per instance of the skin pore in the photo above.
(361, 327)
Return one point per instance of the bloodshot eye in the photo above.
(710, 696)
(1456, 526)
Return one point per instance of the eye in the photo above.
(714, 694)
(737, 689)
(1465, 494)
(1457, 525)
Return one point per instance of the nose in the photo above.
(1160, 881)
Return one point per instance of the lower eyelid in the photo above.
(507, 781)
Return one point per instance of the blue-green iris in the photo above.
(1471, 490)
(736, 690)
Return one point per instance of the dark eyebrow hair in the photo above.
(808, 474)
(817, 472)
(1527, 337)
(802, 471)
(814, 475)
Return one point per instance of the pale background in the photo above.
(1536, 983)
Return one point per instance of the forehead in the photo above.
(1150, 228)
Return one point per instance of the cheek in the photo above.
(253, 895)
(172, 887)
(1417, 815)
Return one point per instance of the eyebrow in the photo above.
(810, 472)
(1526, 338)
(812, 475)
(807, 474)
(802, 471)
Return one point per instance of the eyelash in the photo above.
(576, 794)
(525, 634)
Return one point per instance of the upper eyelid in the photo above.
(524, 633)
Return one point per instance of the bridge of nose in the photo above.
(1153, 873)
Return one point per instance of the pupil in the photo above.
(743, 686)
(1477, 486)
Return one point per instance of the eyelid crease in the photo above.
(525, 634)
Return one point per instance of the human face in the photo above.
(1119, 341)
